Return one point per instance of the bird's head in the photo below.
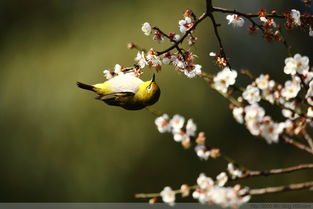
(149, 91)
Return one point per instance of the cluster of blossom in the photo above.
(119, 70)
(285, 96)
(182, 60)
(186, 134)
(211, 192)
(293, 19)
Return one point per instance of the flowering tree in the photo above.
(294, 98)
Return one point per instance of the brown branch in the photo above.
(175, 45)
(276, 171)
(220, 44)
(308, 138)
(291, 187)
(296, 144)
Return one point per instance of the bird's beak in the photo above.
(153, 78)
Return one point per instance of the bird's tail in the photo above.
(85, 86)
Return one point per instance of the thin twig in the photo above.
(175, 45)
(308, 138)
(291, 187)
(296, 144)
(276, 171)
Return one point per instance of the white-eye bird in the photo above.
(126, 91)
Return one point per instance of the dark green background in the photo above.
(59, 144)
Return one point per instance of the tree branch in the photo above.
(276, 171)
(291, 187)
(296, 144)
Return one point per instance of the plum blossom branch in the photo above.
(296, 144)
(249, 173)
(291, 187)
(188, 31)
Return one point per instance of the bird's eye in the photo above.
(149, 87)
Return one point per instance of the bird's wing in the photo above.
(116, 99)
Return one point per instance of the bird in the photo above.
(126, 91)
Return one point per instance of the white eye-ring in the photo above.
(149, 87)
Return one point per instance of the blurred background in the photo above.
(58, 144)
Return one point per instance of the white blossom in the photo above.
(180, 136)
(310, 112)
(166, 60)
(234, 171)
(297, 64)
(140, 58)
(202, 152)
(153, 60)
(185, 24)
(168, 195)
(238, 114)
(118, 69)
(204, 182)
(221, 179)
(191, 128)
(254, 112)
(177, 123)
(262, 81)
(146, 28)
(163, 124)
(107, 74)
(295, 15)
(193, 73)
(270, 130)
(224, 79)
(291, 89)
(310, 90)
(176, 37)
(251, 94)
(308, 77)
(235, 20)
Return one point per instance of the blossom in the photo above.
(268, 21)
(108, 74)
(295, 15)
(254, 112)
(180, 136)
(251, 94)
(235, 20)
(177, 122)
(297, 64)
(221, 179)
(185, 24)
(146, 28)
(153, 60)
(118, 69)
(202, 152)
(193, 73)
(224, 79)
(168, 195)
(163, 124)
(185, 190)
(140, 58)
(310, 112)
(310, 31)
(191, 128)
(262, 81)
(291, 89)
(238, 114)
(158, 36)
(204, 182)
(310, 90)
(270, 130)
(234, 171)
